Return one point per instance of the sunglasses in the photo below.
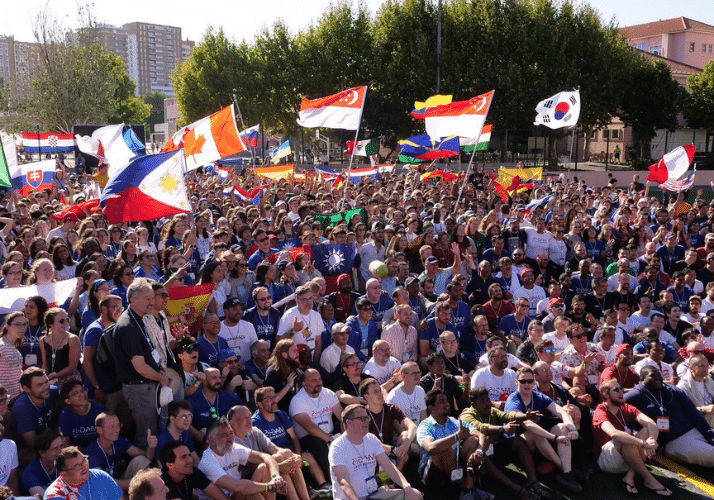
(191, 349)
(550, 350)
(363, 418)
(526, 381)
(578, 336)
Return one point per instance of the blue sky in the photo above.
(244, 18)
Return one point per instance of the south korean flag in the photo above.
(560, 110)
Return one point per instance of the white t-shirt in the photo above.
(665, 369)
(512, 360)
(319, 410)
(496, 386)
(557, 251)
(411, 405)
(312, 326)
(382, 373)
(215, 466)
(534, 295)
(360, 461)
(330, 357)
(8, 459)
(239, 337)
(537, 243)
(706, 305)
(559, 345)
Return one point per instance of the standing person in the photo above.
(312, 409)
(137, 361)
(10, 357)
(59, 348)
(618, 449)
(302, 324)
(358, 446)
(77, 480)
(34, 310)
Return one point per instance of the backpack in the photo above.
(105, 356)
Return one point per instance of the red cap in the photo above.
(556, 300)
(621, 348)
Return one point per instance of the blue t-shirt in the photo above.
(251, 369)
(113, 464)
(100, 486)
(539, 402)
(29, 417)
(208, 352)
(266, 327)
(509, 326)
(432, 333)
(202, 414)
(164, 437)
(80, 429)
(91, 339)
(682, 299)
(670, 353)
(120, 290)
(35, 475)
(31, 345)
(382, 306)
(276, 430)
(460, 318)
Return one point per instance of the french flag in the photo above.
(50, 142)
(250, 136)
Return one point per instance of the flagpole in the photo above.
(242, 123)
(466, 178)
(349, 167)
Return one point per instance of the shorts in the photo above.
(611, 460)
(502, 451)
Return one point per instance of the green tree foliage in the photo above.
(4, 93)
(699, 105)
(156, 101)
(76, 81)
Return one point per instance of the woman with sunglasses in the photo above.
(123, 277)
(59, 348)
(191, 369)
(146, 267)
(10, 357)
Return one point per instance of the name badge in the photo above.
(457, 473)
(156, 356)
(372, 485)
(663, 424)
(405, 357)
(31, 360)
(324, 427)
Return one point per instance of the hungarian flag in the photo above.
(342, 110)
(368, 147)
(673, 165)
(481, 143)
(190, 301)
(460, 118)
(208, 139)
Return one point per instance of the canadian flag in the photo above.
(673, 165)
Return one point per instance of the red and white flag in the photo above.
(208, 139)
(462, 118)
(343, 110)
(673, 165)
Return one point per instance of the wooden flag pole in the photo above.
(466, 176)
(242, 124)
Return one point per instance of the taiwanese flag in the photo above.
(190, 301)
(36, 176)
(332, 260)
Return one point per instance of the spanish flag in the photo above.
(190, 301)
(275, 173)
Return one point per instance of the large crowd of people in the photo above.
(569, 337)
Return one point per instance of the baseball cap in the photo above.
(526, 270)
(621, 348)
(556, 300)
(232, 301)
(341, 328)
(431, 260)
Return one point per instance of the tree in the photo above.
(156, 101)
(651, 100)
(699, 104)
(4, 91)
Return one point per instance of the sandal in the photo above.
(630, 488)
(661, 491)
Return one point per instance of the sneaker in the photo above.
(466, 495)
(580, 475)
(479, 494)
(313, 493)
(567, 481)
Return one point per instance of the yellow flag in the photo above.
(435, 100)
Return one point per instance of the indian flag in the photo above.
(467, 145)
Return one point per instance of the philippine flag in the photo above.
(148, 188)
(250, 136)
(47, 143)
(36, 176)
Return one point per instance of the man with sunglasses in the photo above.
(77, 481)
(261, 239)
(263, 316)
(619, 447)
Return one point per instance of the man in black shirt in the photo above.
(438, 379)
(181, 477)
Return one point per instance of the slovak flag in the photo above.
(342, 110)
(460, 118)
(36, 176)
(250, 136)
(673, 165)
(50, 142)
(148, 188)
(561, 110)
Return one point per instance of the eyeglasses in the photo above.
(550, 350)
(21, 325)
(242, 265)
(362, 419)
(261, 240)
(526, 381)
(162, 295)
(190, 349)
(80, 465)
(411, 374)
(578, 336)
(62, 321)
(262, 299)
(77, 393)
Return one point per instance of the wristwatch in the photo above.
(96, 387)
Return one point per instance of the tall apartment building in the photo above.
(680, 39)
(17, 60)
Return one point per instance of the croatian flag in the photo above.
(36, 176)
(250, 136)
(50, 142)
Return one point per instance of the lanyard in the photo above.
(140, 323)
(651, 397)
(110, 466)
(381, 422)
(620, 419)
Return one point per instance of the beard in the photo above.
(293, 364)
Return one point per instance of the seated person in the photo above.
(347, 385)
(76, 420)
(357, 446)
(655, 355)
(382, 365)
(497, 378)
(257, 366)
(76, 476)
(37, 476)
(9, 465)
(330, 357)
(177, 428)
(684, 432)
(181, 476)
(437, 377)
(699, 386)
(554, 420)
(33, 410)
(109, 451)
(618, 448)
(622, 369)
(278, 427)
(409, 395)
(210, 403)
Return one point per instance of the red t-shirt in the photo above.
(623, 417)
(628, 381)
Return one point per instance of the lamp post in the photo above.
(438, 47)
